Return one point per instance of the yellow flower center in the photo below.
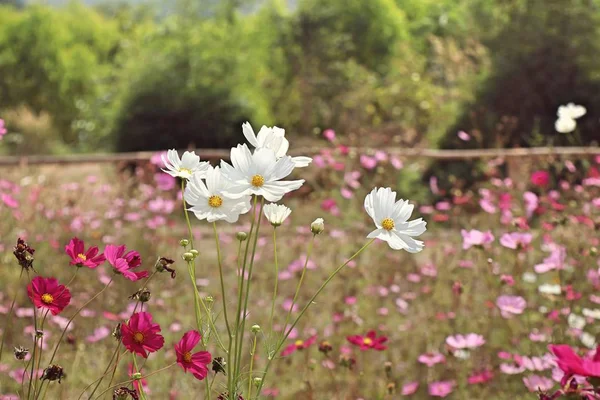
(215, 201)
(185, 170)
(47, 298)
(388, 224)
(257, 181)
(187, 357)
(138, 337)
(82, 257)
(299, 343)
(368, 341)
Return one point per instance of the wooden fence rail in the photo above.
(216, 154)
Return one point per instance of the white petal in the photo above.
(301, 161)
(249, 134)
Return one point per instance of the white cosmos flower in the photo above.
(576, 321)
(209, 200)
(548, 288)
(588, 340)
(571, 110)
(185, 167)
(276, 213)
(391, 219)
(565, 125)
(595, 313)
(260, 173)
(274, 139)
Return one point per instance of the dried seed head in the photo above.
(21, 352)
(53, 373)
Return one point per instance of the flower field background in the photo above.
(509, 267)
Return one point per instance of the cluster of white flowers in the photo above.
(566, 117)
(225, 192)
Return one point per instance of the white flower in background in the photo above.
(276, 213)
(566, 117)
(317, 226)
(576, 321)
(588, 340)
(548, 288)
(391, 219)
(209, 201)
(571, 110)
(595, 313)
(185, 167)
(260, 173)
(274, 139)
(529, 277)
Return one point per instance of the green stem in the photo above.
(308, 253)
(106, 371)
(132, 380)
(310, 302)
(8, 317)
(185, 211)
(33, 353)
(276, 281)
(137, 370)
(251, 367)
(41, 350)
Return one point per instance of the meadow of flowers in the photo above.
(271, 276)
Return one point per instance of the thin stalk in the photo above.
(33, 353)
(137, 370)
(185, 212)
(132, 380)
(251, 366)
(8, 317)
(41, 349)
(308, 253)
(99, 380)
(62, 335)
(276, 281)
(312, 299)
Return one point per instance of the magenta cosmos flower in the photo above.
(476, 238)
(468, 341)
(196, 363)
(90, 258)
(123, 263)
(299, 345)
(540, 178)
(511, 305)
(141, 336)
(370, 341)
(48, 293)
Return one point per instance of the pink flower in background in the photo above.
(124, 263)
(511, 305)
(441, 389)
(82, 258)
(329, 134)
(555, 261)
(430, 359)
(540, 178)
(299, 345)
(468, 341)
(480, 377)
(9, 201)
(369, 341)
(464, 136)
(368, 162)
(99, 334)
(410, 388)
(476, 238)
(2, 129)
(536, 383)
(164, 182)
(516, 240)
(330, 205)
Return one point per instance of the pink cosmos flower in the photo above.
(430, 359)
(531, 203)
(90, 258)
(476, 238)
(536, 383)
(516, 240)
(556, 259)
(410, 388)
(468, 341)
(511, 305)
(2, 129)
(441, 388)
(9, 201)
(329, 134)
(540, 178)
(299, 345)
(368, 162)
(480, 377)
(99, 334)
(464, 136)
(572, 364)
(370, 341)
(124, 263)
(141, 336)
(48, 293)
(196, 363)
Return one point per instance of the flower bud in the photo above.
(209, 299)
(594, 251)
(317, 226)
(187, 256)
(257, 381)
(255, 328)
(194, 252)
(136, 376)
(241, 236)
(21, 353)
(184, 242)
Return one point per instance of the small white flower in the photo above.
(185, 167)
(276, 213)
(462, 354)
(576, 321)
(565, 125)
(571, 110)
(529, 277)
(274, 139)
(259, 174)
(588, 340)
(317, 226)
(209, 200)
(548, 288)
(591, 313)
(391, 219)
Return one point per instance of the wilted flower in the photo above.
(164, 264)
(196, 363)
(391, 219)
(82, 258)
(218, 365)
(185, 167)
(24, 254)
(259, 174)
(48, 293)
(21, 352)
(140, 335)
(276, 213)
(53, 373)
(124, 393)
(210, 201)
(274, 139)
